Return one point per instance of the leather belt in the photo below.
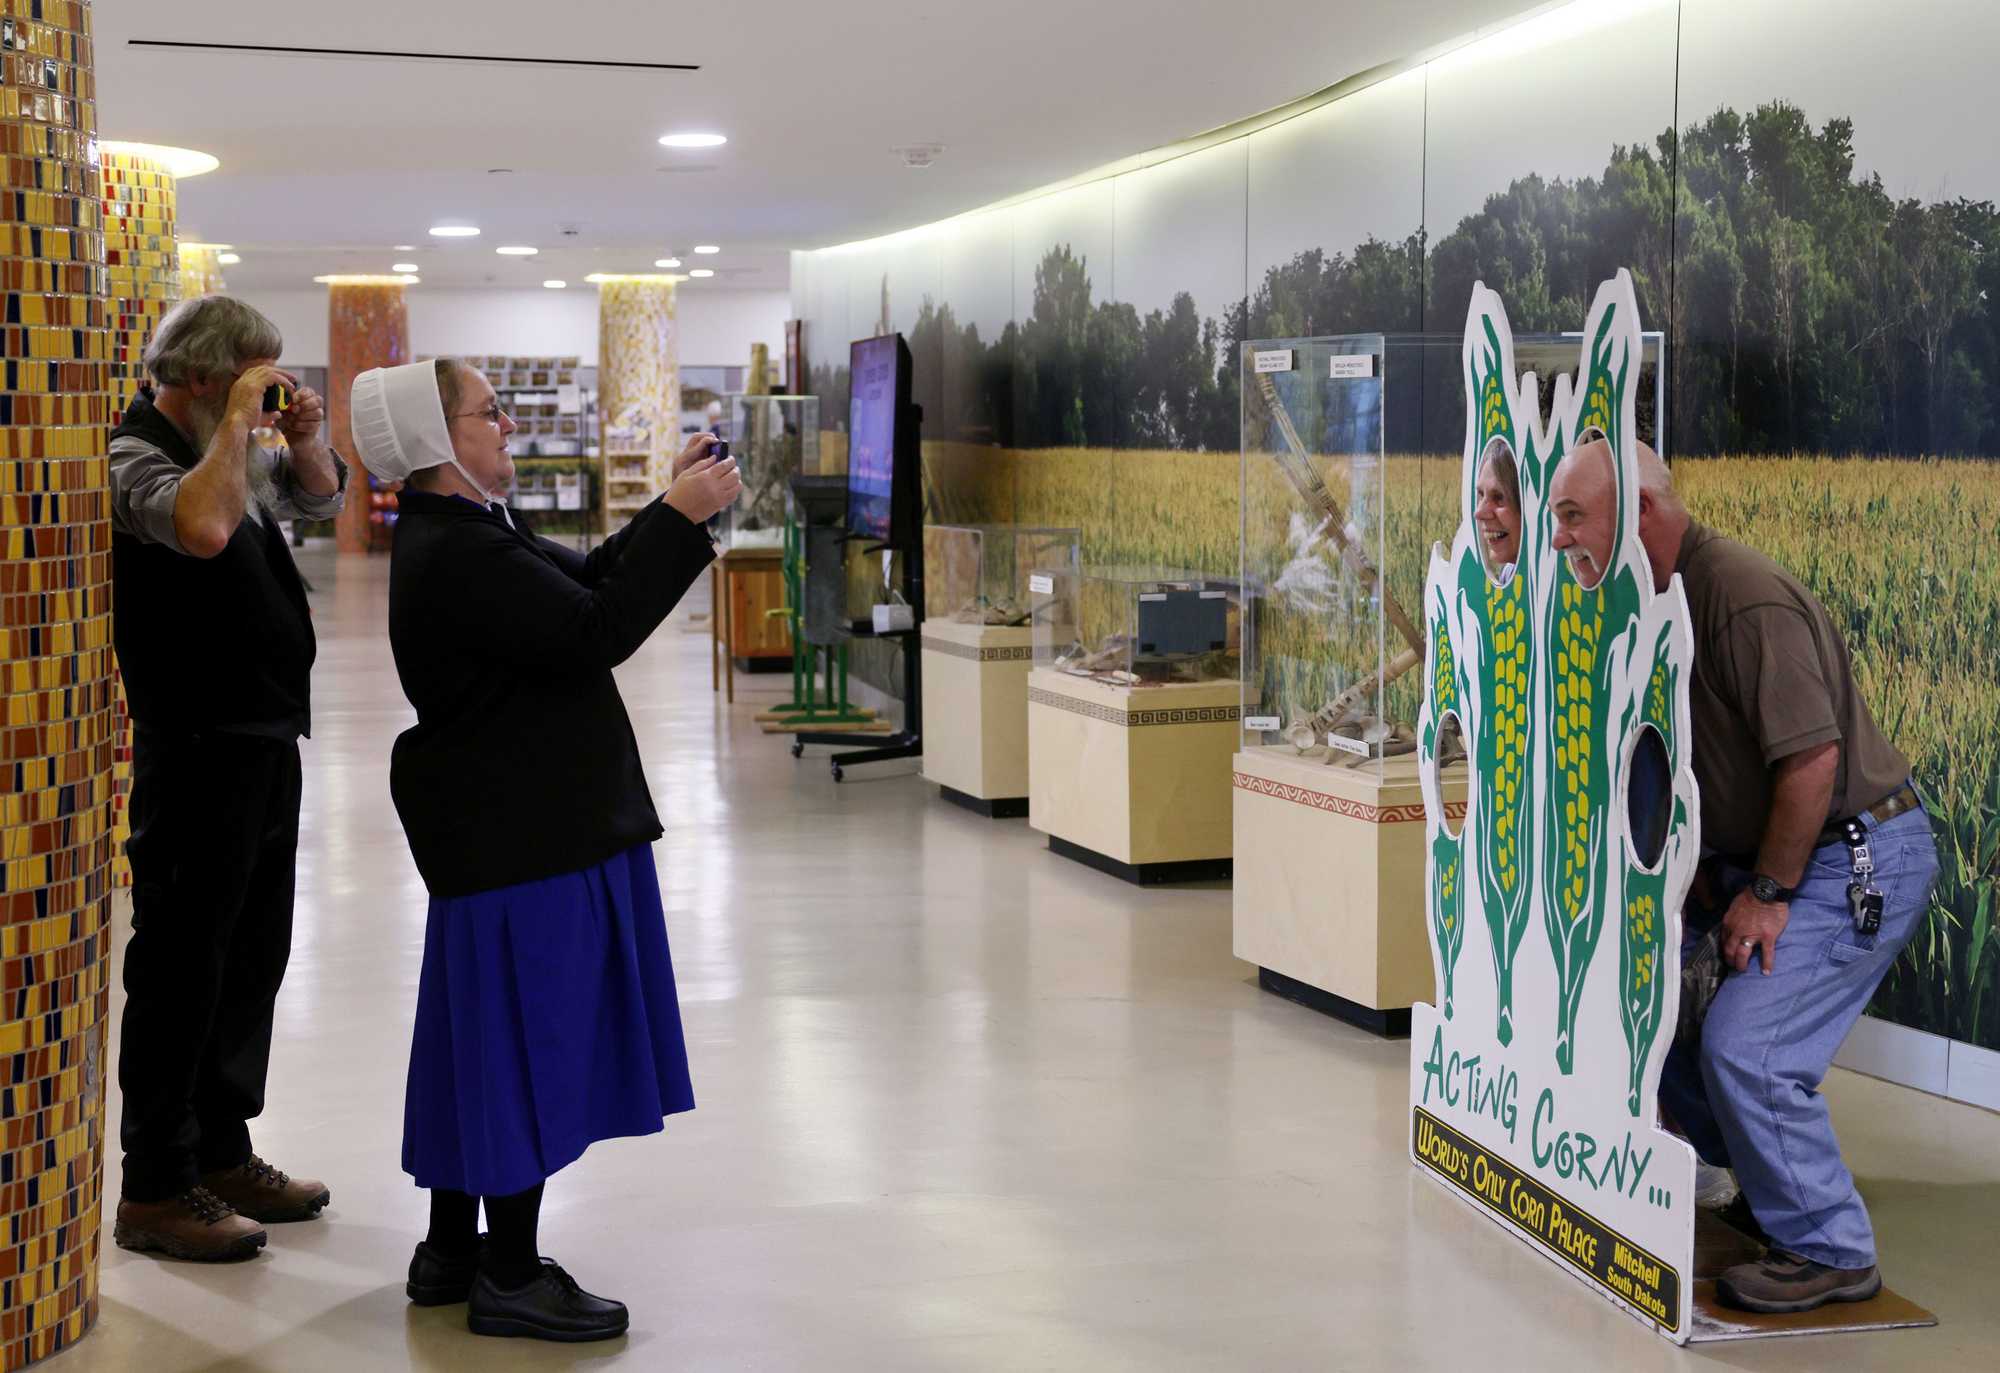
(1901, 801)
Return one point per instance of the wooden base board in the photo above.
(766, 716)
(800, 725)
(1717, 1248)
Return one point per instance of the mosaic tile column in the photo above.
(368, 325)
(639, 364)
(141, 252)
(201, 271)
(55, 679)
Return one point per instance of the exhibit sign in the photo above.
(1554, 909)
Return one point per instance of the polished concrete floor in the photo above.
(964, 1105)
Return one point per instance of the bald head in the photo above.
(1583, 500)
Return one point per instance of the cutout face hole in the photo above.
(1450, 753)
(1496, 509)
(1649, 798)
(1583, 509)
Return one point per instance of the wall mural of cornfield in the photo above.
(1832, 334)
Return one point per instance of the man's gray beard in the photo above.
(261, 475)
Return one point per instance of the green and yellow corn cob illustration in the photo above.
(1644, 926)
(1447, 905)
(1581, 626)
(1500, 678)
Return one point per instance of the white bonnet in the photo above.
(398, 421)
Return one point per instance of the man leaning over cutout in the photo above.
(1818, 864)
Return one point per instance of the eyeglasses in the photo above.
(492, 414)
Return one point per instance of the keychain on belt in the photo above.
(1864, 902)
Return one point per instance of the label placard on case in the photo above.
(1273, 359)
(1353, 746)
(1261, 724)
(1351, 366)
(1040, 585)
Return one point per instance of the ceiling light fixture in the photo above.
(517, 250)
(692, 140)
(228, 259)
(706, 248)
(668, 262)
(401, 268)
(554, 285)
(454, 231)
(182, 162)
(702, 272)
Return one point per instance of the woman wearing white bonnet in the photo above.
(546, 1012)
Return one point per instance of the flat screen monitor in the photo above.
(879, 431)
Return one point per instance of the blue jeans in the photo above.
(1748, 1097)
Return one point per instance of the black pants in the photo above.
(215, 836)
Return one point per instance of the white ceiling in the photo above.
(328, 162)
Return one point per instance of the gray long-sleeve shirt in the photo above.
(146, 482)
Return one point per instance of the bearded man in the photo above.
(216, 646)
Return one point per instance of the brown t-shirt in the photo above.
(1772, 677)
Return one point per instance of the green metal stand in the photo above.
(806, 706)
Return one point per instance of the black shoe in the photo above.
(551, 1307)
(440, 1279)
(1739, 1217)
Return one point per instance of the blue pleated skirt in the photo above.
(546, 1021)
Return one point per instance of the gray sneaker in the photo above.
(1783, 1282)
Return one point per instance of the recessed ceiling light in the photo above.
(705, 248)
(555, 285)
(692, 140)
(182, 162)
(701, 272)
(517, 250)
(667, 262)
(402, 267)
(454, 231)
(228, 259)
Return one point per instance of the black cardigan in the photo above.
(522, 764)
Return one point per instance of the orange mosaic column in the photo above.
(368, 325)
(144, 261)
(638, 366)
(55, 679)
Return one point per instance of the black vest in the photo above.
(222, 643)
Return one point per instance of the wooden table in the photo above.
(744, 583)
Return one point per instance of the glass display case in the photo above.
(773, 439)
(979, 574)
(1133, 626)
(1330, 633)
(1352, 456)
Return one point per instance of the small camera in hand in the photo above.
(277, 397)
(720, 452)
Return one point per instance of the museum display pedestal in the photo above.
(747, 585)
(1133, 781)
(975, 683)
(1329, 890)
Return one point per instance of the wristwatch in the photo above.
(1767, 890)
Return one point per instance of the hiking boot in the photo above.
(1782, 1281)
(263, 1193)
(550, 1307)
(196, 1225)
(441, 1279)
